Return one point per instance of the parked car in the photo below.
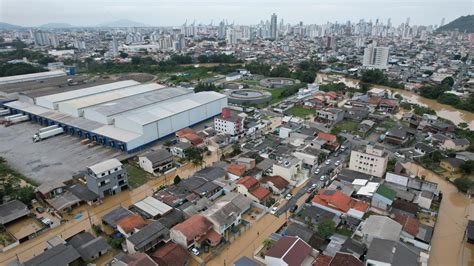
(46, 221)
(337, 163)
(294, 208)
(39, 209)
(322, 178)
(195, 251)
(274, 210)
(288, 196)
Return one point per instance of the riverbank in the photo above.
(445, 111)
(448, 246)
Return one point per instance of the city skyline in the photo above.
(172, 13)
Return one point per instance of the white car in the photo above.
(399, 155)
(328, 162)
(322, 178)
(337, 163)
(288, 196)
(195, 251)
(273, 210)
(313, 185)
(317, 171)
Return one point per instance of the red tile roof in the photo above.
(248, 181)
(183, 132)
(196, 226)
(213, 237)
(290, 249)
(260, 193)
(337, 200)
(345, 259)
(322, 260)
(171, 254)
(236, 169)
(327, 137)
(129, 223)
(193, 138)
(277, 181)
(410, 225)
(138, 259)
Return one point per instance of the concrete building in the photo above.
(229, 122)
(372, 162)
(107, 178)
(288, 169)
(330, 115)
(158, 161)
(375, 57)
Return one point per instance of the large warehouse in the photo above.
(126, 115)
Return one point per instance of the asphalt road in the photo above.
(326, 170)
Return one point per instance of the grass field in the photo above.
(347, 125)
(136, 176)
(299, 111)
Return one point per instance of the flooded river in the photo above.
(442, 110)
(448, 246)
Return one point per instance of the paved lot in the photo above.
(57, 158)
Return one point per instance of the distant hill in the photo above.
(122, 23)
(7, 26)
(463, 24)
(56, 26)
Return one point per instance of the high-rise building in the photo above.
(115, 48)
(442, 22)
(42, 38)
(375, 57)
(273, 27)
(221, 32)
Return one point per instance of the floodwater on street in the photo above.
(448, 246)
(442, 110)
(93, 214)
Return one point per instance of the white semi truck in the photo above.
(47, 134)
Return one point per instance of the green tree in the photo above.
(448, 81)
(464, 183)
(467, 167)
(463, 125)
(176, 180)
(326, 228)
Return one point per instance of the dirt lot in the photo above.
(57, 158)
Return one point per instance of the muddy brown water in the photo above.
(448, 246)
(442, 110)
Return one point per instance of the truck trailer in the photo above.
(47, 134)
(4, 112)
(44, 129)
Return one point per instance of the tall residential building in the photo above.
(375, 57)
(115, 48)
(42, 38)
(372, 161)
(221, 32)
(273, 27)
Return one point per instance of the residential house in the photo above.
(415, 232)
(58, 255)
(329, 115)
(129, 225)
(151, 208)
(345, 259)
(378, 226)
(245, 261)
(339, 203)
(356, 113)
(236, 171)
(276, 184)
(470, 232)
(306, 234)
(455, 144)
(12, 211)
(158, 161)
(404, 207)
(88, 246)
(115, 215)
(195, 230)
(373, 161)
(50, 189)
(383, 197)
(250, 187)
(330, 141)
(226, 212)
(288, 168)
(147, 238)
(290, 251)
(180, 148)
(424, 199)
(396, 136)
(135, 259)
(188, 135)
(365, 126)
(423, 148)
(107, 178)
(465, 156)
(170, 254)
(451, 164)
(390, 252)
(315, 215)
(229, 122)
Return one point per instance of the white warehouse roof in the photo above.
(49, 101)
(73, 106)
(153, 206)
(33, 76)
(170, 107)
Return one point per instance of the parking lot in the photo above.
(57, 158)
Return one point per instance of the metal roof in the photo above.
(105, 166)
(153, 206)
(108, 96)
(33, 76)
(65, 96)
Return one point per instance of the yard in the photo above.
(300, 111)
(346, 126)
(136, 176)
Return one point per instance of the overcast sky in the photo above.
(175, 12)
